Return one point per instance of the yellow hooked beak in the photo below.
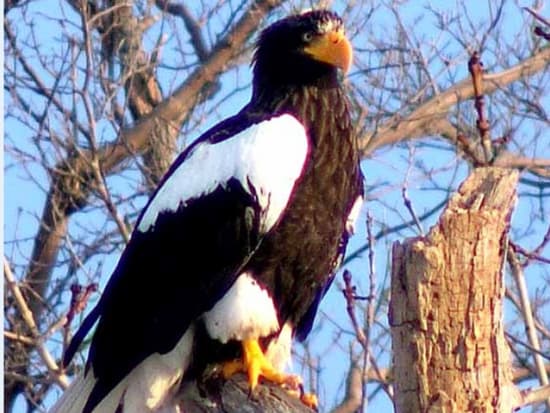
(333, 48)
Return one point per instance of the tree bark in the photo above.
(449, 350)
(233, 396)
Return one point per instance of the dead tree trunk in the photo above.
(449, 351)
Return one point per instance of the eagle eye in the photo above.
(307, 37)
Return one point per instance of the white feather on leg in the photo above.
(148, 388)
(279, 350)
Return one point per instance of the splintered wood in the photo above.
(449, 351)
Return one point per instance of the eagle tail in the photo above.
(76, 396)
(148, 388)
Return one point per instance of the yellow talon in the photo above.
(310, 400)
(255, 364)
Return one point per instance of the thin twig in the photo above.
(536, 253)
(28, 318)
(95, 162)
(517, 273)
(349, 294)
(537, 16)
(370, 310)
(18, 337)
(527, 346)
(475, 66)
(538, 395)
(390, 230)
(510, 295)
(410, 208)
(194, 29)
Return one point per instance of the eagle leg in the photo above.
(255, 364)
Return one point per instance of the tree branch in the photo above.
(426, 119)
(28, 317)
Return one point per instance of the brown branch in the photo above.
(538, 166)
(431, 117)
(354, 391)
(349, 292)
(524, 373)
(179, 9)
(533, 396)
(18, 337)
(475, 67)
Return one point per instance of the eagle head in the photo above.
(302, 48)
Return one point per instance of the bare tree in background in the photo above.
(100, 95)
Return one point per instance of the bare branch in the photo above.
(28, 317)
(197, 40)
(517, 273)
(533, 396)
(429, 117)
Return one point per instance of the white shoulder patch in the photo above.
(269, 156)
(351, 220)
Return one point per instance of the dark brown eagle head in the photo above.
(302, 49)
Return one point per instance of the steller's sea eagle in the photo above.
(232, 254)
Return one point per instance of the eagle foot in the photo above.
(309, 399)
(255, 364)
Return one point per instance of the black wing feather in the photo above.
(167, 277)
